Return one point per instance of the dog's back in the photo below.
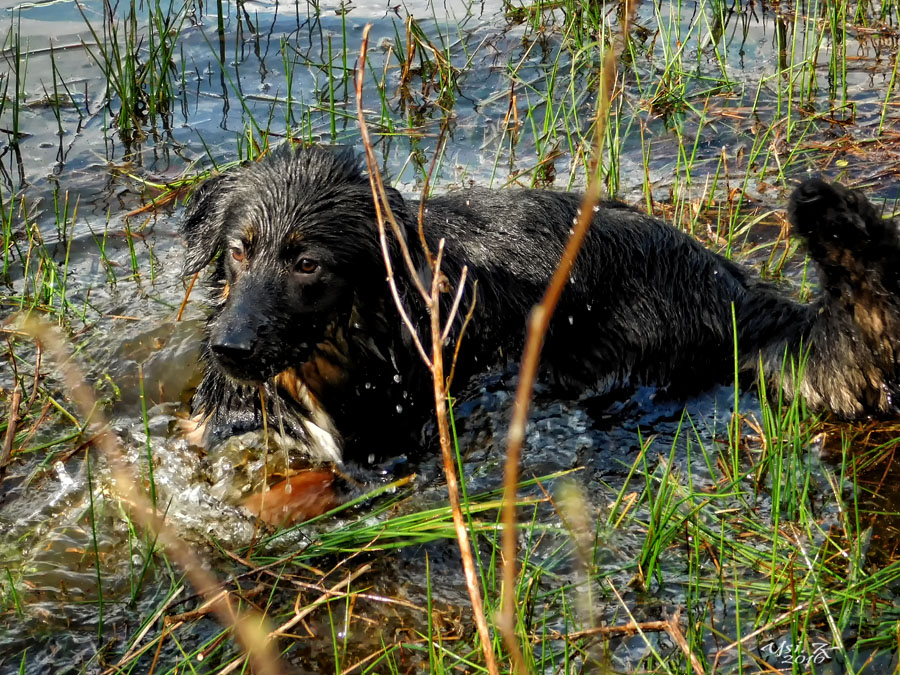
(645, 302)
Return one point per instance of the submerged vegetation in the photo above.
(738, 533)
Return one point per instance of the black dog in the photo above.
(302, 308)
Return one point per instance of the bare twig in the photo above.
(629, 628)
(382, 206)
(36, 425)
(37, 375)
(187, 294)
(670, 626)
(11, 426)
(435, 363)
(327, 594)
(459, 523)
(383, 212)
(159, 645)
(462, 331)
(674, 630)
(153, 204)
(455, 308)
(538, 322)
(639, 627)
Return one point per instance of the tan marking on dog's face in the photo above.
(317, 376)
(291, 384)
(226, 289)
(321, 374)
(299, 389)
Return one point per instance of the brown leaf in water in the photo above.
(298, 498)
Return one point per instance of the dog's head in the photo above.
(296, 241)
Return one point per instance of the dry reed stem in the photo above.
(435, 364)
(248, 626)
(327, 595)
(187, 294)
(153, 204)
(670, 626)
(37, 377)
(11, 426)
(538, 322)
(629, 628)
(136, 650)
(674, 631)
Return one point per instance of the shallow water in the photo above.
(517, 111)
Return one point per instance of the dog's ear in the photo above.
(203, 222)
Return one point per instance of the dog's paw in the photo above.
(194, 429)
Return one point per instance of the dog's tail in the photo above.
(846, 358)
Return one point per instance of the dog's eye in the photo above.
(238, 253)
(307, 265)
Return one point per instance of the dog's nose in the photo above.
(232, 347)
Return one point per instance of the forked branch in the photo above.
(435, 363)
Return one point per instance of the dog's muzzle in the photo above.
(239, 336)
(233, 348)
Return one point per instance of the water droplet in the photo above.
(571, 320)
(397, 378)
(368, 385)
(371, 458)
(399, 408)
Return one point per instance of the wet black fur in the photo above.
(645, 304)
